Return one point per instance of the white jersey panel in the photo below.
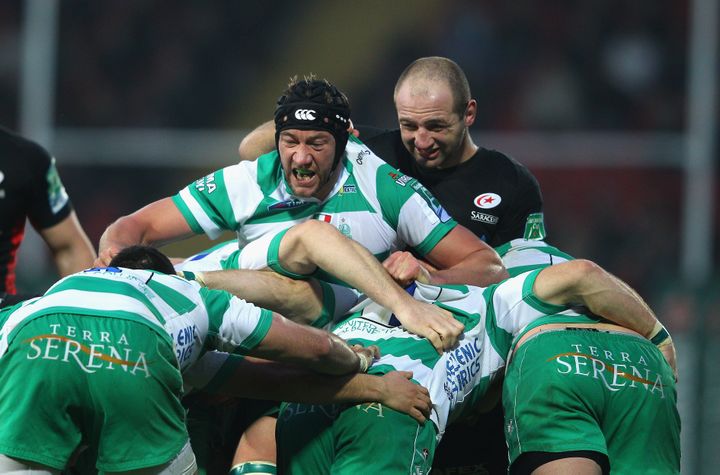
(207, 224)
(240, 320)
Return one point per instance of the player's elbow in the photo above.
(489, 264)
(584, 273)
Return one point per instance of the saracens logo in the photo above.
(305, 114)
(487, 200)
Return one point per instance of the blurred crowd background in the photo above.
(591, 95)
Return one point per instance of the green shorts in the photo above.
(582, 389)
(367, 438)
(109, 383)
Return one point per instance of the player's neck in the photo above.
(464, 153)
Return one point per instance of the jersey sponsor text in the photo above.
(483, 218)
(620, 371)
(90, 351)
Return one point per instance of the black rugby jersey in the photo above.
(492, 195)
(30, 187)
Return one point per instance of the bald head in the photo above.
(423, 76)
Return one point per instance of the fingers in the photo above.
(372, 350)
(418, 416)
(423, 406)
(435, 340)
(403, 267)
(104, 258)
(367, 356)
(447, 328)
(406, 374)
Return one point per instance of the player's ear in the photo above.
(470, 113)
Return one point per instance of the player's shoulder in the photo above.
(502, 164)
(264, 170)
(491, 156)
(361, 158)
(386, 144)
(18, 150)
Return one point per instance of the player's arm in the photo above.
(69, 245)
(299, 300)
(281, 382)
(315, 244)
(156, 224)
(585, 283)
(312, 348)
(462, 258)
(259, 141)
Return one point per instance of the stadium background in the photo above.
(601, 99)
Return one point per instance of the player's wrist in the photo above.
(198, 277)
(659, 336)
(364, 362)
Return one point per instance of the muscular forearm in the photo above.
(318, 350)
(316, 244)
(74, 258)
(130, 230)
(70, 246)
(340, 359)
(298, 300)
(585, 283)
(282, 382)
(481, 268)
(606, 295)
(156, 224)
(277, 381)
(258, 142)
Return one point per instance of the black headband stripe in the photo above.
(310, 116)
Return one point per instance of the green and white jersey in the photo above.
(459, 378)
(225, 255)
(372, 203)
(522, 255)
(193, 319)
(215, 367)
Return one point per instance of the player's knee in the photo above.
(314, 228)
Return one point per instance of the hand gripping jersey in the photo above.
(371, 203)
(193, 319)
(458, 378)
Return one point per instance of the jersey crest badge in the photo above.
(487, 200)
(535, 227)
(57, 195)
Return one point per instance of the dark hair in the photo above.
(437, 68)
(143, 257)
(314, 104)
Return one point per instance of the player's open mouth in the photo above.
(429, 154)
(302, 174)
